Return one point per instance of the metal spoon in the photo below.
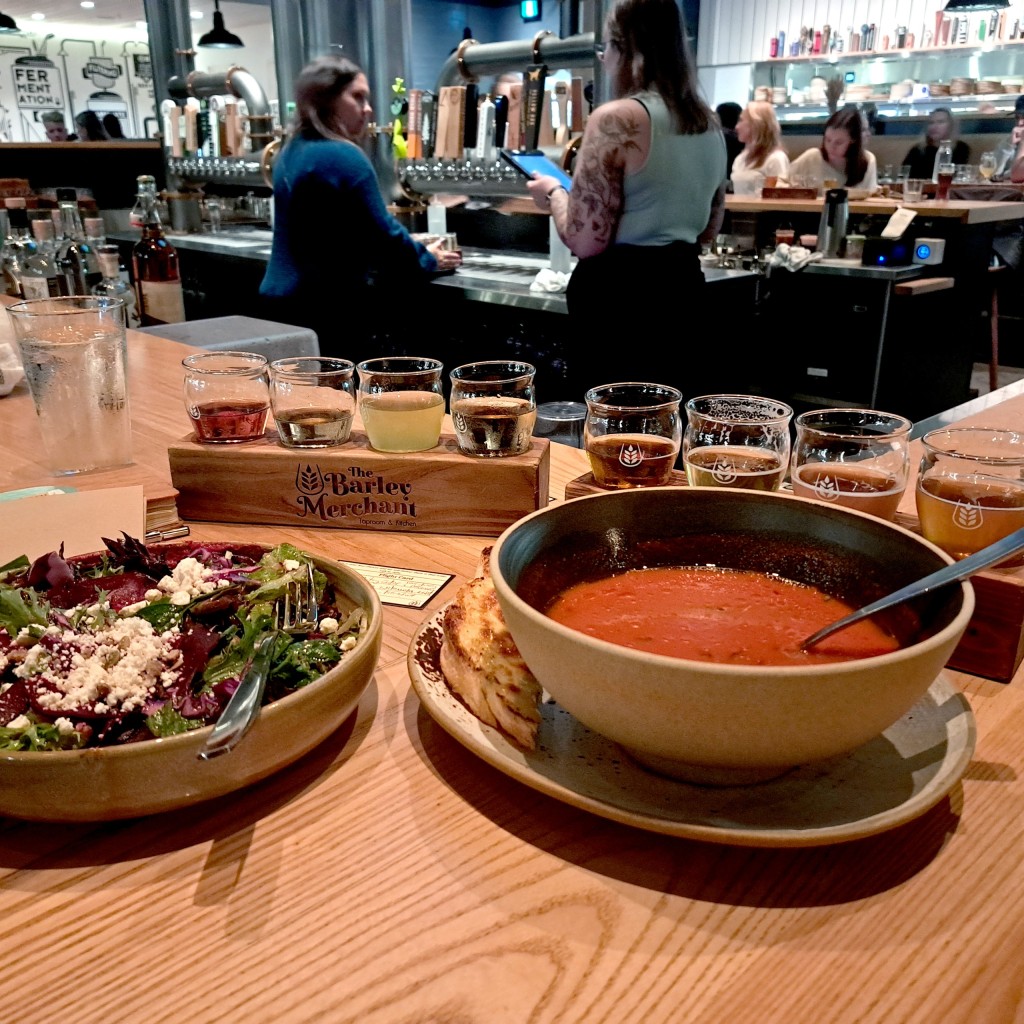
(994, 553)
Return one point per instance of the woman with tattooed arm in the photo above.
(647, 189)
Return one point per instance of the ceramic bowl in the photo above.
(716, 723)
(107, 783)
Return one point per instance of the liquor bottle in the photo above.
(72, 249)
(113, 286)
(95, 236)
(40, 278)
(17, 246)
(158, 290)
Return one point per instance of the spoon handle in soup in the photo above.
(998, 552)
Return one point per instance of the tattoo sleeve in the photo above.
(596, 202)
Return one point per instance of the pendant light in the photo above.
(7, 23)
(219, 36)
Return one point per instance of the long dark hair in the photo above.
(318, 85)
(848, 118)
(651, 41)
(90, 127)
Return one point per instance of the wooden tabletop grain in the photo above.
(392, 876)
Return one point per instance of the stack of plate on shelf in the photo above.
(987, 86)
(938, 89)
(961, 87)
(855, 93)
(901, 90)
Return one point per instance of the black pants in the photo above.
(639, 313)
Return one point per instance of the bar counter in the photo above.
(392, 876)
(963, 211)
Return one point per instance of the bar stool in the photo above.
(243, 333)
(993, 315)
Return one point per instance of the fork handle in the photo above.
(244, 705)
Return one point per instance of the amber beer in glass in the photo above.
(632, 433)
(970, 489)
(858, 458)
(736, 441)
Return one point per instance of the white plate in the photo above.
(885, 783)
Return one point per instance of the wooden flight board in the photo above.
(351, 486)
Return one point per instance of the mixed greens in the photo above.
(141, 642)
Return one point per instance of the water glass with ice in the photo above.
(74, 352)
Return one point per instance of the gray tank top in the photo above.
(669, 198)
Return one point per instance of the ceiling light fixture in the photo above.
(219, 36)
(7, 23)
(87, 4)
(38, 16)
(969, 6)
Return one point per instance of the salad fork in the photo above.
(244, 705)
(297, 611)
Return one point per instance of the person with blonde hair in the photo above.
(762, 156)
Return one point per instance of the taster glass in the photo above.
(970, 489)
(631, 433)
(313, 400)
(987, 164)
(494, 407)
(73, 350)
(913, 190)
(858, 458)
(401, 402)
(736, 441)
(227, 395)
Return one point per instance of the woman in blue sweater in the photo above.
(338, 259)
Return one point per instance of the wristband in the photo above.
(557, 188)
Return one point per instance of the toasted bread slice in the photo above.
(482, 664)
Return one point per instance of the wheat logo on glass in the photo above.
(968, 515)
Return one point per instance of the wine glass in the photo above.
(987, 164)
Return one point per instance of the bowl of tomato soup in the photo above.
(670, 620)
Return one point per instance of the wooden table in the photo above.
(392, 876)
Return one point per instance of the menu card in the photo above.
(36, 523)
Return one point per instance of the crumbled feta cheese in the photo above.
(328, 625)
(131, 609)
(114, 669)
(21, 722)
(190, 577)
(153, 594)
(349, 642)
(180, 598)
(64, 726)
(290, 564)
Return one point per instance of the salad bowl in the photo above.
(103, 783)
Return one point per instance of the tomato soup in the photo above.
(728, 616)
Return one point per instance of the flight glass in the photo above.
(494, 407)
(970, 489)
(227, 396)
(73, 351)
(313, 400)
(401, 402)
(858, 458)
(631, 433)
(736, 441)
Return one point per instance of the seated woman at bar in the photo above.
(340, 263)
(841, 160)
(90, 127)
(762, 156)
(648, 188)
(941, 125)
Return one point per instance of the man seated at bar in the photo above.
(842, 159)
